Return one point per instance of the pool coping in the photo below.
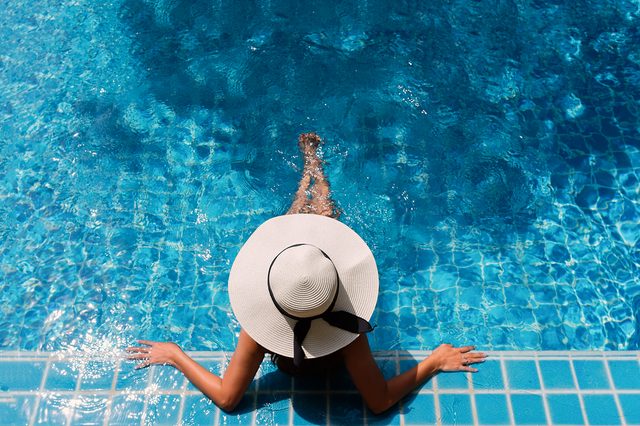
(457, 385)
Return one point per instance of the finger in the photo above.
(143, 365)
(138, 356)
(136, 349)
(466, 349)
(469, 369)
(475, 361)
(147, 342)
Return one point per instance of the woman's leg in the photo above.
(313, 194)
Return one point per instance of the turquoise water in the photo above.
(488, 152)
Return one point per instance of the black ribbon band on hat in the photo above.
(340, 319)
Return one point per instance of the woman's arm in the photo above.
(227, 391)
(380, 394)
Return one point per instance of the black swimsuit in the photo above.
(310, 366)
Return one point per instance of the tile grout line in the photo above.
(472, 397)
(112, 392)
(181, 405)
(43, 381)
(612, 386)
(507, 391)
(577, 385)
(436, 401)
(145, 404)
(545, 403)
(401, 402)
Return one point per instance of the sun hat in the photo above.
(304, 285)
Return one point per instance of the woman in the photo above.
(303, 287)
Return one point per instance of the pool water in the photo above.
(488, 152)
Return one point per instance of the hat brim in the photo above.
(249, 294)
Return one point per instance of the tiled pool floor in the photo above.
(597, 388)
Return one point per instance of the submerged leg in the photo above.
(313, 194)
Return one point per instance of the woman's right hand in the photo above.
(450, 358)
(164, 353)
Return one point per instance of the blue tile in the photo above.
(198, 410)
(54, 409)
(630, 407)
(489, 376)
(16, 410)
(167, 378)
(492, 409)
(389, 417)
(133, 379)
(452, 381)
(528, 409)
(625, 374)
(565, 409)
(601, 409)
(163, 409)
(309, 409)
(346, 409)
(273, 409)
(243, 413)
(591, 374)
(455, 409)
(556, 374)
(90, 409)
(126, 409)
(522, 375)
(419, 410)
(97, 375)
(20, 375)
(61, 376)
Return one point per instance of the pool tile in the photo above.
(61, 376)
(90, 409)
(455, 409)
(198, 410)
(528, 409)
(565, 409)
(591, 374)
(167, 378)
(492, 409)
(133, 379)
(556, 374)
(389, 417)
(489, 376)
(419, 410)
(309, 409)
(522, 375)
(273, 409)
(601, 409)
(345, 409)
(55, 409)
(625, 374)
(242, 415)
(17, 409)
(97, 375)
(163, 409)
(452, 381)
(630, 407)
(20, 375)
(126, 409)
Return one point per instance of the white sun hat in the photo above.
(304, 285)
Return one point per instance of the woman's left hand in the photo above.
(164, 353)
